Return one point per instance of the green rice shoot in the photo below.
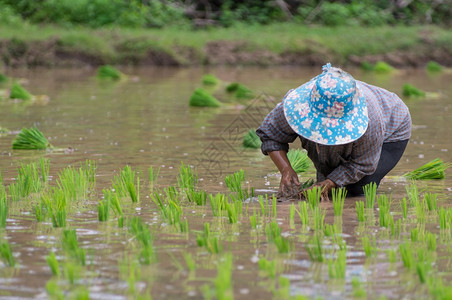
(109, 72)
(299, 160)
(434, 67)
(251, 140)
(19, 92)
(6, 254)
(202, 98)
(210, 79)
(31, 139)
(432, 170)
(410, 90)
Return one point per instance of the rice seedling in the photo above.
(187, 178)
(263, 204)
(267, 267)
(6, 254)
(202, 98)
(109, 72)
(127, 184)
(406, 255)
(53, 264)
(3, 208)
(392, 255)
(28, 181)
(210, 79)
(431, 200)
(55, 203)
(53, 290)
(113, 201)
(315, 249)
(130, 271)
(443, 218)
(369, 246)
(430, 241)
(337, 267)
(303, 213)
(404, 208)
(90, 167)
(190, 262)
(274, 235)
(292, 215)
(103, 210)
(153, 177)
(19, 92)
(44, 165)
(251, 140)
(211, 243)
(299, 160)
(338, 200)
(71, 247)
(172, 193)
(254, 220)
(218, 204)
(383, 68)
(3, 78)
(421, 211)
(422, 269)
(370, 193)
(313, 196)
(413, 195)
(234, 181)
(434, 169)
(31, 139)
(41, 212)
(318, 217)
(410, 90)
(434, 67)
(240, 91)
(274, 210)
(360, 211)
(358, 290)
(199, 198)
(417, 234)
(223, 281)
(74, 182)
(384, 208)
(71, 272)
(395, 227)
(142, 234)
(234, 210)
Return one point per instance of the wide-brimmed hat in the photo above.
(329, 109)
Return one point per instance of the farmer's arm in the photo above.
(276, 134)
(363, 160)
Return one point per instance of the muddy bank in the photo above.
(54, 53)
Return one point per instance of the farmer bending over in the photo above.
(355, 133)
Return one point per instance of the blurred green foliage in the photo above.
(202, 13)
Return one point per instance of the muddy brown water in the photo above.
(147, 122)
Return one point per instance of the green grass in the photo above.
(31, 139)
(19, 92)
(202, 98)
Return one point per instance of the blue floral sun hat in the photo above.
(329, 109)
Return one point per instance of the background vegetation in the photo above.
(161, 13)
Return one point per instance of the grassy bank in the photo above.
(287, 43)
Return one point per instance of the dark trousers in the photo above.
(390, 156)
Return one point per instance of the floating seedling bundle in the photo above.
(410, 90)
(239, 90)
(251, 140)
(431, 170)
(210, 79)
(31, 139)
(434, 67)
(202, 98)
(19, 92)
(109, 72)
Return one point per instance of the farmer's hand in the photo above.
(289, 186)
(326, 187)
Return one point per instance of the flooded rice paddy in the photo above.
(249, 249)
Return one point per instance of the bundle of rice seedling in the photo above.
(109, 72)
(31, 139)
(366, 66)
(382, 67)
(412, 91)
(239, 90)
(3, 78)
(431, 170)
(251, 140)
(433, 66)
(18, 92)
(201, 97)
(299, 160)
(210, 79)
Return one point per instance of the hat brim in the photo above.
(325, 130)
